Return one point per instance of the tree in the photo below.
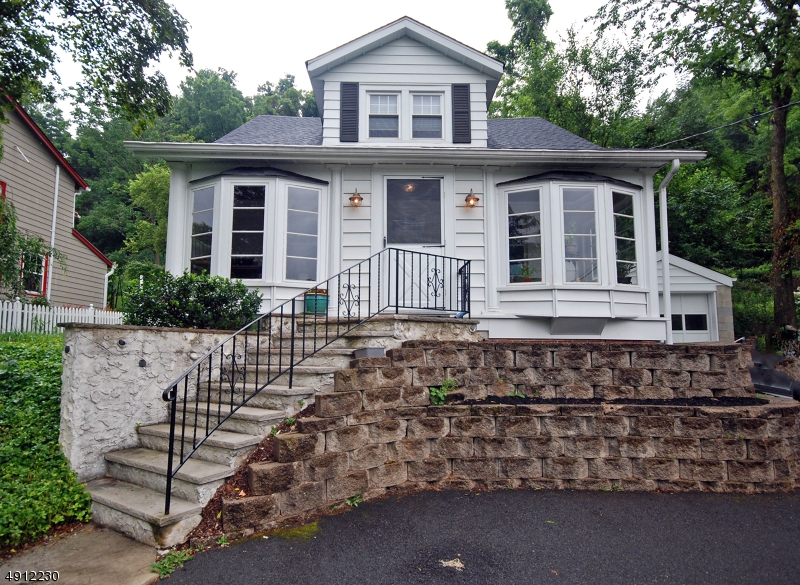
(757, 43)
(529, 17)
(116, 43)
(150, 196)
(284, 99)
(210, 106)
(590, 89)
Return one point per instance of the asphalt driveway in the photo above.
(528, 537)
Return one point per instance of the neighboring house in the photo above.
(702, 308)
(42, 185)
(560, 232)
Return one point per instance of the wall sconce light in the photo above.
(355, 199)
(471, 199)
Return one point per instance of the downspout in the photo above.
(662, 204)
(53, 232)
(105, 285)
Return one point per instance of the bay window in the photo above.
(625, 238)
(247, 242)
(524, 236)
(580, 235)
(302, 234)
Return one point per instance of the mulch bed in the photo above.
(210, 528)
(455, 400)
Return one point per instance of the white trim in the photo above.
(712, 275)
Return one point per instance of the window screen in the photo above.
(414, 211)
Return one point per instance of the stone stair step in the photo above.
(272, 397)
(138, 512)
(194, 470)
(222, 447)
(247, 419)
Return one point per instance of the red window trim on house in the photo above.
(45, 268)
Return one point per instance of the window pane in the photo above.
(523, 248)
(623, 226)
(303, 199)
(528, 271)
(301, 222)
(413, 211)
(202, 222)
(301, 269)
(247, 267)
(383, 104)
(305, 246)
(201, 246)
(696, 322)
(426, 127)
(524, 225)
(677, 322)
(623, 204)
(427, 105)
(523, 202)
(248, 220)
(626, 273)
(247, 243)
(580, 246)
(578, 199)
(626, 250)
(578, 223)
(383, 127)
(201, 265)
(203, 199)
(580, 270)
(248, 196)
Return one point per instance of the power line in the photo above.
(727, 125)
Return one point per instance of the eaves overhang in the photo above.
(434, 155)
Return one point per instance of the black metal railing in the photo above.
(267, 350)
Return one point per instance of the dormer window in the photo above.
(426, 119)
(384, 121)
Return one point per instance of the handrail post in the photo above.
(397, 281)
(291, 348)
(171, 452)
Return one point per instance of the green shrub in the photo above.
(37, 487)
(191, 301)
(752, 308)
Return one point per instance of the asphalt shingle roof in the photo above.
(513, 133)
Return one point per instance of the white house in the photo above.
(559, 231)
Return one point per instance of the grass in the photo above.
(37, 488)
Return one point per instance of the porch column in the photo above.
(491, 223)
(335, 225)
(177, 239)
(662, 203)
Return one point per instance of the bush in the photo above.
(37, 487)
(191, 301)
(752, 308)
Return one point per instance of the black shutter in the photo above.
(348, 129)
(462, 130)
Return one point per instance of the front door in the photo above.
(414, 225)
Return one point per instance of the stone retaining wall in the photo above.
(379, 432)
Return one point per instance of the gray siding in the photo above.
(31, 186)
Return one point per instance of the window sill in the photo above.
(576, 286)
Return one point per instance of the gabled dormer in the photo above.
(404, 84)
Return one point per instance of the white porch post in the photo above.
(335, 227)
(177, 239)
(491, 223)
(662, 201)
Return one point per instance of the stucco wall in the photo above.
(105, 392)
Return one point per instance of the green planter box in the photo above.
(316, 302)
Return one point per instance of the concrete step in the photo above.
(273, 397)
(222, 447)
(196, 481)
(249, 420)
(138, 512)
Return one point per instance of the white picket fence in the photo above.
(18, 317)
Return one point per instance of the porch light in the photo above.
(471, 199)
(355, 199)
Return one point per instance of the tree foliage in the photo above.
(149, 192)
(115, 43)
(529, 17)
(284, 99)
(756, 43)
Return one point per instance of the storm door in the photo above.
(414, 226)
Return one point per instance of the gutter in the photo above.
(105, 284)
(472, 156)
(662, 204)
